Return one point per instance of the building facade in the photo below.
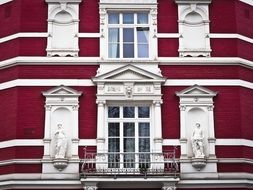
(128, 94)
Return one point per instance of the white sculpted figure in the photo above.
(198, 142)
(60, 143)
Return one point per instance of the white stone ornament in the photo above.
(198, 141)
(60, 142)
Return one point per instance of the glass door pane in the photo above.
(129, 145)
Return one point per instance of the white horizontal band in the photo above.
(97, 35)
(42, 35)
(97, 60)
(88, 82)
(4, 1)
(92, 142)
(249, 2)
(219, 142)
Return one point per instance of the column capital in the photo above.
(158, 102)
(100, 102)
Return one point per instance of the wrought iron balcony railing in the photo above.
(128, 163)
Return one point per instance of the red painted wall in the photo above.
(246, 100)
(8, 116)
(89, 16)
(222, 16)
(168, 47)
(21, 152)
(228, 167)
(89, 47)
(9, 18)
(23, 47)
(88, 113)
(170, 113)
(48, 72)
(167, 16)
(20, 168)
(223, 47)
(33, 19)
(244, 19)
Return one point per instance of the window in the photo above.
(128, 35)
(128, 136)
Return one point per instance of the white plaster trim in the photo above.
(234, 142)
(21, 142)
(89, 35)
(219, 142)
(23, 35)
(97, 60)
(212, 35)
(4, 1)
(98, 35)
(88, 82)
(209, 82)
(168, 35)
(20, 161)
(87, 142)
(171, 142)
(46, 82)
(249, 2)
(224, 36)
(39, 142)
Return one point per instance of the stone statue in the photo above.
(60, 143)
(198, 142)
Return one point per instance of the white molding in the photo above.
(89, 35)
(93, 142)
(97, 60)
(209, 82)
(219, 142)
(87, 142)
(24, 35)
(88, 82)
(98, 35)
(21, 142)
(39, 142)
(249, 2)
(234, 142)
(227, 36)
(20, 161)
(4, 1)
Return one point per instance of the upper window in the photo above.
(128, 35)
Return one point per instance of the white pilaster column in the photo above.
(47, 137)
(183, 138)
(158, 126)
(100, 126)
(75, 139)
(211, 139)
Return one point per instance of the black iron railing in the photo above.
(128, 163)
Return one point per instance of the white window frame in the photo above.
(121, 26)
(134, 120)
(125, 6)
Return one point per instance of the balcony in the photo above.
(118, 165)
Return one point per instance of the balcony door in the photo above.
(128, 139)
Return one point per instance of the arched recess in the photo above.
(61, 107)
(196, 106)
(194, 32)
(193, 27)
(63, 20)
(63, 116)
(197, 115)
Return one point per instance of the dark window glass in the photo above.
(143, 112)
(128, 112)
(113, 112)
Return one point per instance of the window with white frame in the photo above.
(128, 132)
(128, 35)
